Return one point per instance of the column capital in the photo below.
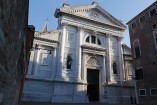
(104, 55)
(108, 35)
(120, 38)
(64, 24)
(95, 32)
(80, 27)
(37, 46)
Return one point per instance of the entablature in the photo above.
(91, 26)
(94, 50)
(45, 42)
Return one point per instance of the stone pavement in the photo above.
(45, 103)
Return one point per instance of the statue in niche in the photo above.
(114, 68)
(69, 61)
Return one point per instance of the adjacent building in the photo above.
(28, 46)
(143, 37)
(82, 61)
(13, 35)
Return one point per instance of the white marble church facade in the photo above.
(80, 62)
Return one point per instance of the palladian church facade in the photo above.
(80, 62)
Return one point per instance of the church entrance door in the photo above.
(93, 84)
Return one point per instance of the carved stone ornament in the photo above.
(94, 15)
(93, 61)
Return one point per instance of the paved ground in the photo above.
(44, 103)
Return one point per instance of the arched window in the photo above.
(93, 39)
(99, 43)
(137, 51)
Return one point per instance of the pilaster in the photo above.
(79, 52)
(31, 62)
(103, 79)
(121, 64)
(61, 52)
(37, 60)
(53, 63)
(84, 71)
(104, 73)
(108, 71)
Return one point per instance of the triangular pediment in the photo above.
(93, 12)
(94, 15)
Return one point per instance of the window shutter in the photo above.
(137, 52)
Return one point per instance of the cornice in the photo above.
(47, 40)
(48, 32)
(79, 10)
(94, 6)
(110, 17)
(93, 48)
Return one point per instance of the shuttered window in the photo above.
(153, 12)
(137, 52)
(142, 92)
(139, 74)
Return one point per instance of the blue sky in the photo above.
(40, 10)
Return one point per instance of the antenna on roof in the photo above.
(45, 26)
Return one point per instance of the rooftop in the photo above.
(144, 11)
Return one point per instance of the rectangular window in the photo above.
(153, 92)
(142, 19)
(87, 39)
(139, 74)
(93, 38)
(154, 25)
(69, 61)
(133, 25)
(130, 70)
(44, 58)
(156, 40)
(137, 52)
(153, 12)
(142, 92)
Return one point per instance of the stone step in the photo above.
(46, 103)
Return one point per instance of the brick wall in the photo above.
(13, 31)
(148, 59)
